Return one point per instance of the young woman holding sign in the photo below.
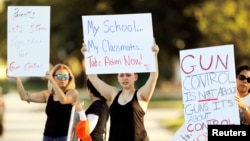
(128, 104)
(60, 96)
(243, 89)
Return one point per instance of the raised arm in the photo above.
(105, 89)
(146, 91)
(39, 97)
(71, 95)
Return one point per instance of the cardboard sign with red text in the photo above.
(28, 40)
(208, 89)
(118, 43)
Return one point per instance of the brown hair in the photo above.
(71, 84)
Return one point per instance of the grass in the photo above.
(164, 103)
(172, 124)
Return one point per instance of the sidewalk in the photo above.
(22, 121)
(153, 125)
(25, 122)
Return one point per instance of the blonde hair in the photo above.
(71, 83)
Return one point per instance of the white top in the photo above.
(246, 100)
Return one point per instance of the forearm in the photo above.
(246, 114)
(153, 77)
(148, 89)
(22, 92)
(155, 74)
(58, 91)
(92, 77)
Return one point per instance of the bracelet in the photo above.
(28, 99)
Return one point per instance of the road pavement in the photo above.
(25, 122)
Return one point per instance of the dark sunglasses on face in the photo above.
(243, 77)
(62, 76)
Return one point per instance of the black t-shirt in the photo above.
(58, 116)
(101, 109)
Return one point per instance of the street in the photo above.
(25, 122)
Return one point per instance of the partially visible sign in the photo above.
(208, 91)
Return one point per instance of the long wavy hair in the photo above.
(71, 83)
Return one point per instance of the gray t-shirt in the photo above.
(246, 100)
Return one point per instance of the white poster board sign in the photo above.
(208, 90)
(28, 40)
(118, 43)
(182, 135)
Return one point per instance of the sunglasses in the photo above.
(62, 76)
(243, 77)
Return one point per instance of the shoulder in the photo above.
(98, 105)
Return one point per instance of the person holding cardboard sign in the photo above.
(128, 104)
(243, 96)
(60, 96)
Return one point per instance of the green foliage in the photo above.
(226, 22)
(170, 25)
(177, 24)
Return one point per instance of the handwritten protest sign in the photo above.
(182, 135)
(118, 43)
(28, 40)
(208, 90)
